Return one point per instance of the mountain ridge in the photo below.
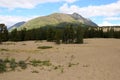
(18, 24)
(55, 19)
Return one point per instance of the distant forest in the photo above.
(68, 34)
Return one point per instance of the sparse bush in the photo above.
(46, 63)
(34, 71)
(35, 62)
(44, 47)
(23, 44)
(13, 64)
(6, 60)
(40, 63)
(22, 64)
(4, 50)
(62, 70)
(2, 66)
(71, 64)
(55, 67)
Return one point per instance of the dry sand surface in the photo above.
(96, 59)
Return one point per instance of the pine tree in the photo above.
(14, 35)
(57, 37)
(50, 34)
(111, 33)
(79, 35)
(3, 33)
(71, 34)
(0, 36)
(22, 34)
(65, 35)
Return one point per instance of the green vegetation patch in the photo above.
(44, 47)
(11, 64)
(2, 66)
(40, 63)
(4, 49)
(22, 64)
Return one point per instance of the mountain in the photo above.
(55, 19)
(16, 25)
(83, 20)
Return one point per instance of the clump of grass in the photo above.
(6, 60)
(22, 64)
(4, 49)
(62, 70)
(44, 47)
(34, 71)
(13, 64)
(72, 64)
(86, 65)
(40, 63)
(23, 44)
(59, 67)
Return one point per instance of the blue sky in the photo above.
(102, 12)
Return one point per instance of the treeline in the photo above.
(68, 34)
(65, 35)
(101, 32)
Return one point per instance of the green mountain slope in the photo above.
(53, 20)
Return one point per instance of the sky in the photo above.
(102, 12)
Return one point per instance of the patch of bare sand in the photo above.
(99, 59)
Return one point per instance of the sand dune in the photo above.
(96, 59)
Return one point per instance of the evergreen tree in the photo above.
(50, 34)
(91, 32)
(0, 36)
(65, 38)
(101, 32)
(22, 34)
(71, 34)
(79, 35)
(14, 35)
(3, 33)
(57, 37)
(111, 33)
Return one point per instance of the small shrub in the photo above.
(24, 44)
(2, 66)
(55, 67)
(44, 47)
(34, 71)
(6, 60)
(13, 64)
(71, 64)
(62, 70)
(4, 50)
(40, 63)
(35, 62)
(22, 64)
(46, 63)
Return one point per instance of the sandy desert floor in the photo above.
(96, 59)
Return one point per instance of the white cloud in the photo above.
(106, 23)
(112, 18)
(10, 20)
(70, 1)
(112, 9)
(11, 4)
